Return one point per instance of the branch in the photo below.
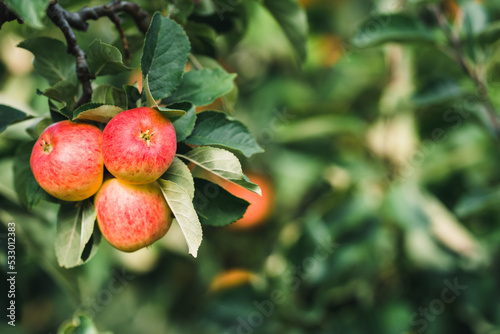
(458, 51)
(6, 15)
(67, 21)
(56, 14)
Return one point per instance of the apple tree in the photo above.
(169, 50)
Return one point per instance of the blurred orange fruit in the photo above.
(231, 279)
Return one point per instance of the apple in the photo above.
(131, 216)
(139, 145)
(67, 160)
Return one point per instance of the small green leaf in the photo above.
(109, 94)
(476, 202)
(80, 324)
(215, 205)
(184, 125)
(384, 28)
(182, 207)
(180, 9)
(75, 226)
(166, 51)
(180, 174)
(37, 128)
(28, 190)
(171, 113)
(133, 96)
(52, 60)
(202, 38)
(96, 112)
(64, 92)
(203, 87)
(222, 164)
(217, 129)
(437, 91)
(31, 11)
(489, 36)
(9, 115)
(105, 59)
(293, 20)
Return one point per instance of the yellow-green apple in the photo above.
(139, 145)
(67, 160)
(132, 216)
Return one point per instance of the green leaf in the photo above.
(166, 51)
(180, 9)
(9, 115)
(203, 87)
(28, 190)
(133, 96)
(384, 28)
(31, 11)
(215, 205)
(64, 92)
(58, 113)
(182, 207)
(171, 113)
(219, 163)
(96, 112)
(184, 125)
(293, 20)
(202, 38)
(37, 128)
(75, 226)
(476, 202)
(80, 324)
(437, 91)
(105, 59)
(109, 94)
(52, 61)
(180, 174)
(489, 36)
(217, 129)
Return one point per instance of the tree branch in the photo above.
(482, 89)
(67, 21)
(6, 15)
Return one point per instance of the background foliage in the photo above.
(382, 151)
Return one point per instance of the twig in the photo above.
(117, 21)
(6, 15)
(56, 14)
(458, 51)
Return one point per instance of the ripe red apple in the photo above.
(67, 160)
(139, 145)
(132, 216)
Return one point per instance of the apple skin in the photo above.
(131, 216)
(139, 145)
(67, 160)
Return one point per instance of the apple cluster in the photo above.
(137, 146)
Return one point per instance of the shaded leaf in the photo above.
(215, 205)
(9, 115)
(52, 61)
(216, 128)
(105, 59)
(184, 125)
(437, 91)
(293, 20)
(109, 94)
(384, 28)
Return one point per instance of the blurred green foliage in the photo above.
(384, 163)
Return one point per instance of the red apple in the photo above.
(132, 216)
(67, 160)
(139, 145)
